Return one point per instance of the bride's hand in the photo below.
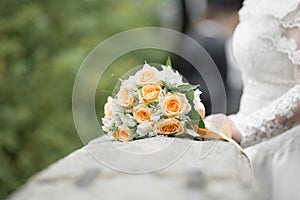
(236, 135)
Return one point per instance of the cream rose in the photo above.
(108, 108)
(148, 75)
(150, 92)
(142, 113)
(175, 105)
(124, 98)
(199, 107)
(123, 133)
(168, 126)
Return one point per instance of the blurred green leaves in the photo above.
(42, 44)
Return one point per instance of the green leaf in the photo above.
(168, 62)
(201, 123)
(145, 62)
(166, 87)
(133, 136)
(190, 95)
(114, 129)
(184, 88)
(153, 104)
(191, 122)
(187, 87)
(194, 115)
(196, 118)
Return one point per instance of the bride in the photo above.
(266, 46)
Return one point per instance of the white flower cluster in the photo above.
(151, 102)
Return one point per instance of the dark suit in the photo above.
(215, 47)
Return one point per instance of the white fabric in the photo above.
(268, 59)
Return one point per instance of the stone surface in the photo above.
(155, 168)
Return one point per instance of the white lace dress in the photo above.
(266, 46)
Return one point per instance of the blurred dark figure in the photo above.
(214, 34)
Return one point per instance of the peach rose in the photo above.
(108, 108)
(168, 126)
(148, 75)
(150, 92)
(175, 105)
(123, 133)
(142, 113)
(124, 98)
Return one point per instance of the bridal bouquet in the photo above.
(153, 102)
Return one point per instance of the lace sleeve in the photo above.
(283, 113)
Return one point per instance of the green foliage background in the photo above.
(42, 44)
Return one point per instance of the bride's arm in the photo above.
(279, 116)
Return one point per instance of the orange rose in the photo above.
(107, 108)
(142, 113)
(168, 126)
(150, 92)
(124, 98)
(175, 105)
(122, 134)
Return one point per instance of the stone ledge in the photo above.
(224, 173)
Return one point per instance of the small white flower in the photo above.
(130, 84)
(156, 116)
(198, 105)
(197, 99)
(116, 120)
(140, 98)
(144, 128)
(128, 120)
(152, 134)
(107, 125)
(173, 78)
(110, 136)
(197, 93)
(115, 107)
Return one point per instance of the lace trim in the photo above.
(273, 120)
(276, 9)
(292, 19)
(288, 46)
(278, 23)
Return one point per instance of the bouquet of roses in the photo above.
(153, 102)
